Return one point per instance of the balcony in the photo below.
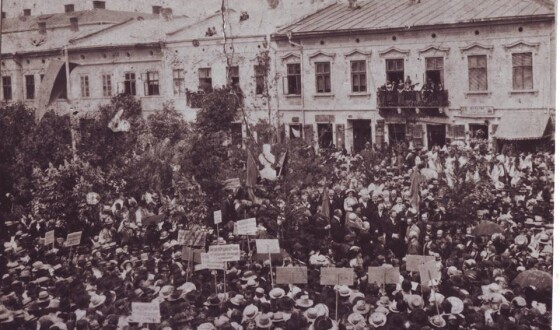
(195, 99)
(412, 99)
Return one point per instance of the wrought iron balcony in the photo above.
(412, 99)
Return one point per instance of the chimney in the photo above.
(167, 14)
(42, 27)
(27, 12)
(99, 5)
(156, 10)
(74, 23)
(69, 8)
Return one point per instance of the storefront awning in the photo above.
(524, 126)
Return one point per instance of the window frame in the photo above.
(29, 88)
(296, 76)
(522, 67)
(7, 89)
(84, 87)
(323, 77)
(361, 74)
(130, 82)
(233, 75)
(107, 85)
(178, 82)
(441, 70)
(388, 70)
(260, 75)
(205, 81)
(478, 68)
(151, 84)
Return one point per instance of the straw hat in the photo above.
(311, 314)
(263, 321)
(361, 307)
(250, 312)
(437, 321)
(344, 291)
(277, 293)
(415, 302)
(97, 301)
(304, 301)
(377, 319)
(457, 305)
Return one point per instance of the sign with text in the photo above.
(190, 254)
(414, 260)
(223, 253)
(477, 110)
(383, 275)
(49, 237)
(429, 271)
(74, 238)
(291, 275)
(267, 246)
(207, 262)
(145, 313)
(195, 236)
(337, 276)
(217, 217)
(245, 227)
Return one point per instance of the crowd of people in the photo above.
(403, 93)
(496, 276)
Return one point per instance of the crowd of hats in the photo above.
(120, 260)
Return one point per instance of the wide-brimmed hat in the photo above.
(361, 307)
(355, 319)
(263, 321)
(251, 284)
(248, 275)
(237, 300)
(206, 326)
(323, 323)
(97, 300)
(377, 319)
(277, 293)
(311, 314)
(344, 291)
(383, 301)
(457, 305)
(166, 291)
(415, 301)
(322, 309)
(349, 191)
(304, 301)
(213, 300)
(250, 312)
(437, 321)
(279, 317)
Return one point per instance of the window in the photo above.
(27, 12)
(325, 135)
(84, 86)
(130, 83)
(233, 76)
(156, 10)
(434, 70)
(30, 87)
(205, 79)
(395, 70)
(178, 82)
(359, 82)
(295, 131)
(522, 71)
(107, 85)
(151, 84)
(99, 5)
(294, 79)
(68, 8)
(259, 79)
(323, 77)
(478, 80)
(7, 87)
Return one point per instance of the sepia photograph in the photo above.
(277, 164)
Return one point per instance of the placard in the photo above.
(49, 237)
(291, 275)
(145, 313)
(383, 275)
(429, 271)
(207, 262)
(217, 217)
(223, 253)
(245, 227)
(337, 276)
(414, 260)
(195, 236)
(190, 254)
(73, 238)
(267, 246)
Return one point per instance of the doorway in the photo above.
(397, 133)
(362, 134)
(479, 131)
(436, 135)
(325, 132)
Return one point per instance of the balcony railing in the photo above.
(413, 99)
(195, 99)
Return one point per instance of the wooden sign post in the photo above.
(337, 276)
(268, 246)
(217, 220)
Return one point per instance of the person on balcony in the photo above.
(400, 90)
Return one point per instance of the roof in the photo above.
(523, 126)
(380, 14)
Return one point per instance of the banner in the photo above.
(223, 253)
(429, 271)
(190, 254)
(217, 217)
(195, 236)
(337, 276)
(291, 275)
(49, 237)
(383, 275)
(145, 313)
(208, 262)
(414, 260)
(73, 238)
(245, 227)
(267, 246)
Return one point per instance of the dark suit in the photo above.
(377, 220)
(337, 230)
(397, 245)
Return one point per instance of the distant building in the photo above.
(477, 67)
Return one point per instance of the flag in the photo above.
(415, 179)
(282, 164)
(325, 210)
(252, 171)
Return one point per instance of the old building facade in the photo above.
(455, 67)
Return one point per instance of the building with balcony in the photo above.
(429, 72)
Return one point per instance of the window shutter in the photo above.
(308, 133)
(340, 138)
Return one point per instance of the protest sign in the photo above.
(190, 254)
(267, 246)
(245, 227)
(73, 238)
(195, 236)
(337, 276)
(217, 217)
(429, 271)
(383, 275)
(414, 260)
(274, 256)
(291, 275)
(145, 313)
(226, 252)
(49, 237)
(207, 262)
